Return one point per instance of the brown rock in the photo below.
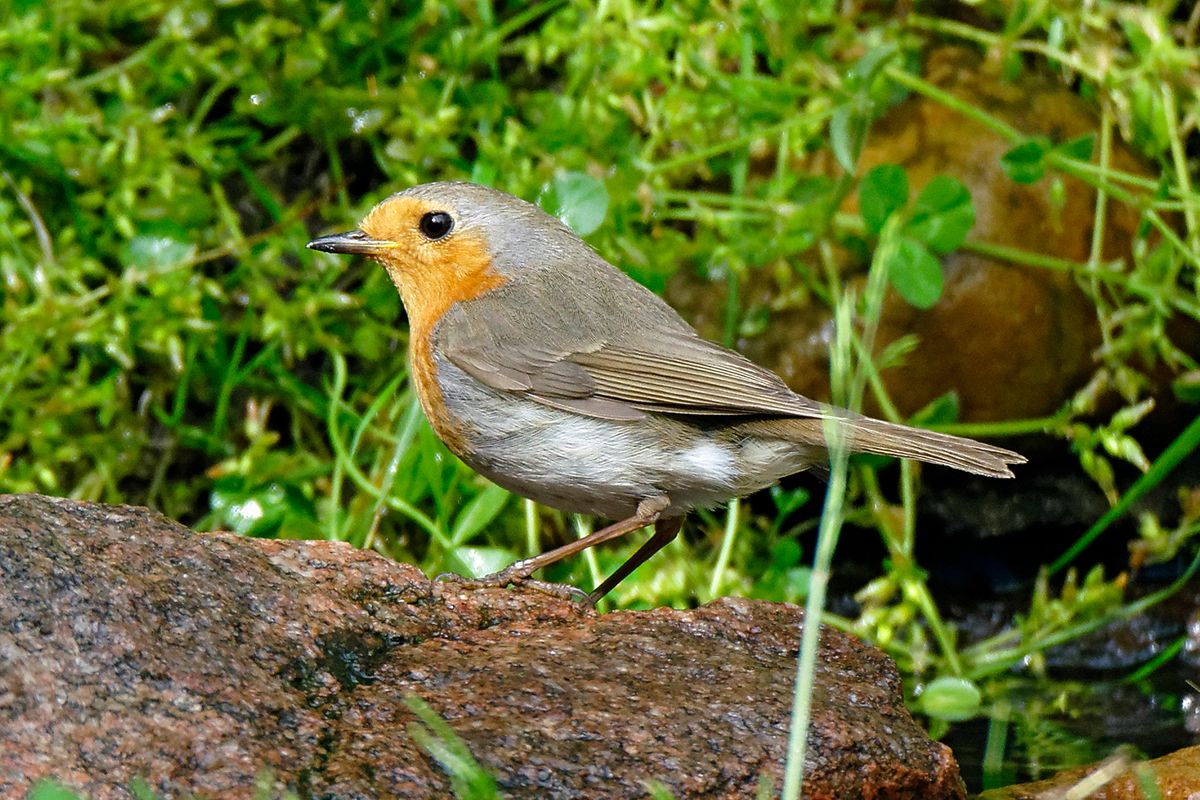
(1177, 777)
(1013, 341)
(131, 647)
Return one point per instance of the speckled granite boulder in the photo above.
(131, 647)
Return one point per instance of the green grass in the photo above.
(46, 789)
(167, 340)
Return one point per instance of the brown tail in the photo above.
(867, 435)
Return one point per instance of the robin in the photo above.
(555, 375)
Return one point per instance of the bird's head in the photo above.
(447, 242)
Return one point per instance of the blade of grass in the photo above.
(994, 746)
(731, 530)
(583, 527)
(847, 386)
(344, 466)
(1180, 448)
(990, 656)
(1098, 227)
(408, 431)
(831, 520)
(1146, 670)
(468, 780)
(532, 542)
(1179, 160)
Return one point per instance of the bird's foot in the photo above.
(517, 576)
(564, 591)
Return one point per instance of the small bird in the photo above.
(560, 378)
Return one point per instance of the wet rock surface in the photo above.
(134, 648)
(1176, 777)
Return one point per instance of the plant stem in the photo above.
(1180, 448)
(731, 529)
(827, 535)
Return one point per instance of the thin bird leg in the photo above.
(664, 531)
(647, 513)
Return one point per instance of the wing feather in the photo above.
(614, 367)
(610, 370)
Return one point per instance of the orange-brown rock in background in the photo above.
(1176, 777)
(1013, 341)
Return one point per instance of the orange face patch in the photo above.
(431, 276)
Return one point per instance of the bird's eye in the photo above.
(436, 225)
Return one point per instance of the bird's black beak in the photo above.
(351, 243)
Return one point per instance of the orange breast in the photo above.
(423, 372)
(431, 277)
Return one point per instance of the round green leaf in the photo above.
(873, 61)
(577, 199)
(478, 513)
(847, 133)
(915, 273)
(938, 411)
(1026, 163)
(270, 509)
(483, 560)
(883, 191)
(950, 699)
(1080, 147)
(1187, 387)
(942, 215)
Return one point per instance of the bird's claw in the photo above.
(496, 580)
(505, 577)
(562, 590)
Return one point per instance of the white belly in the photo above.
(602, 467)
